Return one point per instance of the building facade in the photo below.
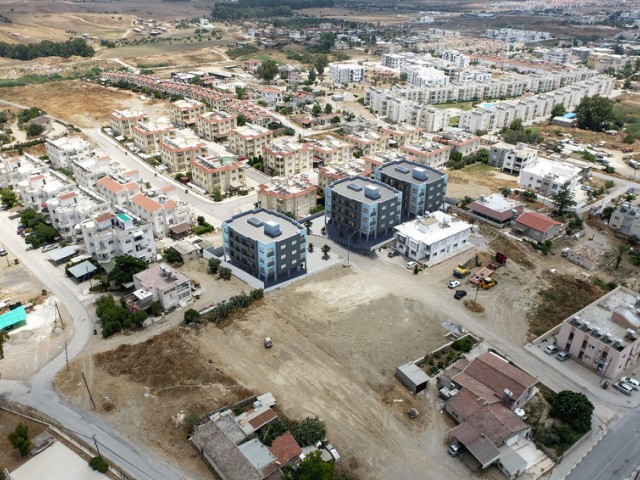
(248, 141)
(293, 197)
(286, 158)
(215, 173)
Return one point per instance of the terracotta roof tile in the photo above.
(110, 184)
(537, 221)
(262, 419)
(285, 448)
(146, 203)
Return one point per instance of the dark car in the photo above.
(605, 385)
(460, 294)
(393, 253)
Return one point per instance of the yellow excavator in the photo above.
(487, 282)
(464, 269)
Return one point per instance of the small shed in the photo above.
(60, 255)
(412, 377)
(13, 318)
(586, 256)
(83, 271)
(180, 231)
(187, 250)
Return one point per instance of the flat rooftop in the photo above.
(433, 228)
(497, 202)
(252, 224)
(412, 172)
(57, 463)
(355, 189)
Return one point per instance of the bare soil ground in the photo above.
(476, 180)
(10, 457)
(54, 97)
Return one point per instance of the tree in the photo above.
(455, 157)
(224, 273)
(573, 408)
(403, 77)
(214, 264)
(308, 224)
(311, 468)
(309, 432)
(19, 439)
(335, 120)
(326, 41)
(595, 113)
(558, 110)
(325, 250)
(4, 336)
(316, 109)
(125, 268)
(217, 196)
(241, 93)
(309, 248)
(200, 220)
(312, 75)
(99, 464)
(8, 198)
(172, 256)
(267, 70)
(563, 200)
(191, 316)
(34, 130)
(516, 125)
(328, 108)
(321, 63)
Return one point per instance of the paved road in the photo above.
(38, 391)
(616, 456)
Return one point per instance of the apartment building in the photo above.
(163, 284)
(353, 168)
(295, 196)
(272, 96)
(224, 174)
(602, 62)
(432, 238)
(248, 141)
(36, 190)
(287, 157)
(215, 125)
(177, 153)
(118, 193)
(87, 172)
(122, 120)
(510, 158)
(368, 142)
(148, 135)
(346, 73)
(362, 206)
(162, 212)
(110, 235)
(432, 154)
(16, 169)
(423, 188)
(460, 141)
(625, 219)
(270, 246)
(330, 150)
(547, 176)
(184, 112)
(64, 150)
(603, 336)
(67, 210)
(455, 57)
(401, 135)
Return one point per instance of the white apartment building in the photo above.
(511, 158)
(422, 77)
(401, 134)
(68, 210)
(148, 135)
(161, 212)
(122, 121)
(626, 220)
(330, 150)
(249, 140)
(185, 111)
(294, 196)
(36, 190)
(270, 95)
(118, 193)
(87, 172)
(287, 157)
(547, 176)
(369, 142)
(16, 169)
(177, 153)
(215, 173)
(432, 238)
(110, 235)
(460, 141)
(164, 285)
(346, 72)
(330, 173)
(428, 153)
(455, 57)
(64, 150)
(215, 125)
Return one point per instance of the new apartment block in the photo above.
(215, 173)
(122, 121)
(64, 150)
(330, 150)
(510, 158)
(185, 111)
(547, 176)
(249, 140)
(148, 135)
(215, 125)
(177, 153)
(295, 196)
(287, 157)
(346, 72)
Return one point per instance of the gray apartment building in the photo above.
(266, 244)
(626, 220)
(362, 205)
(423, 188)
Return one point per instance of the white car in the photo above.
(454, 284)
(411, 264)
(631, 381)
(550, 349)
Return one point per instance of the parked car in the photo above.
(460, 294)
(624, 388)
(267, 342)
(562, 356)
(455, 449)
(605, 385)
(393, 253)
(411, 264)
(631, 381)
(3, 253)
(454, 284)
(550, 349)
(48, 248)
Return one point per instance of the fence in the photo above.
(79, 440)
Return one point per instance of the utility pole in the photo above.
(59, 314)
(89, 392)
(66, 354)
(476, 297)
(96, 444)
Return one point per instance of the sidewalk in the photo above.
(568, 462)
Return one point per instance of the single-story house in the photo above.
(585, 256)
(536, 226)
(187, 250)
(180, 231)
(495, 209)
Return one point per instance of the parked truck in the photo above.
(487, 271)
(464, 269)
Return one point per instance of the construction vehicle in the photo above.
(487, 271)
(464, 269)
(487, 282)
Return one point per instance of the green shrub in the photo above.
(99, 464)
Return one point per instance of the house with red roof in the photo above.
(536, 226)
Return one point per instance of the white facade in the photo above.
(15, 169)
(510, 158)
(168, 286)
(68, 210)
(346, 72)
(548, 176)
(64, 150)
(433, 238)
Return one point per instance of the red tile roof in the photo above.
(285, 448)
(110, 184)
(104, 217)
(537, 221)
(262, 419)
(146, 203)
